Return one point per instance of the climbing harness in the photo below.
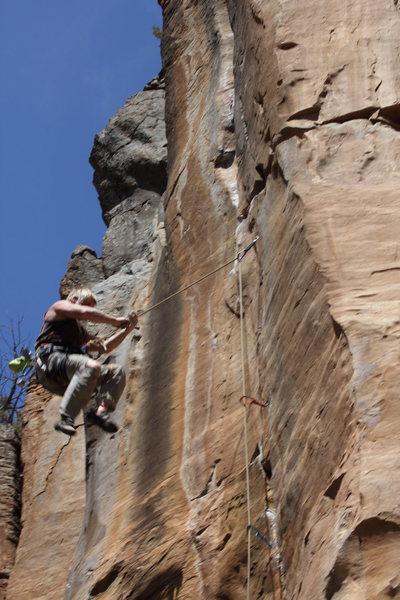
(238, 258)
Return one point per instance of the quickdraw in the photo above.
(248, 401)
(245, 250)
(257, 533)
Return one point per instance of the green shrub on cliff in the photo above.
(13, 385)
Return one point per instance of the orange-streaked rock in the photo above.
(281, 122)
(10, 501)
(53, 501)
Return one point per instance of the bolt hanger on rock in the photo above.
(258, 534)
(247, 401)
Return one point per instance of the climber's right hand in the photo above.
(122, 322)
(133, 319)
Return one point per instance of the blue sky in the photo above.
(66, 68)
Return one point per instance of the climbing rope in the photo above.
(247, 401)
(238, 257)
(246, 450)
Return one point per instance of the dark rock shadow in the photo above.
(166, 585)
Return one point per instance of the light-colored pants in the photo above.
(83, 381)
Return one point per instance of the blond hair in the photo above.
(81, 294)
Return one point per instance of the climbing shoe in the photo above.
(103, 420)
(66, 425)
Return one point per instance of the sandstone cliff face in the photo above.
(53, 502)
(282, 122)
(10, 490)
(319, 86)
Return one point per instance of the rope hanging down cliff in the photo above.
(247, 401)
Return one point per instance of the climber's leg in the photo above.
(112, 384)
(83, 373)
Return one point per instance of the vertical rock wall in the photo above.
(10, 503)
(202, 210)
(282, 122)
(315, 110)
(53, 501)
(317, 129)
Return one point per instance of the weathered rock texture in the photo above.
(282, 121)
(317, 110)
(84, 266)
(129, 158)
(10, 502)
(53, 502)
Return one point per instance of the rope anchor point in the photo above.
(243, 252)
(248, 401)
(258, 533)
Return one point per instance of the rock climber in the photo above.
(64, 367)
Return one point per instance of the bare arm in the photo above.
(112, 342)
(63, 309)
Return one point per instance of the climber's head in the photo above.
(82, 296)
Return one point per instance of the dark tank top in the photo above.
(68, 333)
